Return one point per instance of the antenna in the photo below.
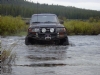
(37, 7)
(37, 11)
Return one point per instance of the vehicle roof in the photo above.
(44, 14)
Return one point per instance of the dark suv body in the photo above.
(46, 28)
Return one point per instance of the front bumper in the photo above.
(47, 36)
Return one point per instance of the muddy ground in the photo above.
(81, 57)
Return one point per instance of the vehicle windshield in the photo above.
(44, 19)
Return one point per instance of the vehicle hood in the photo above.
(47, 25)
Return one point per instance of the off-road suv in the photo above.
(46, 28)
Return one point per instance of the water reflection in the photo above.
(46, 55)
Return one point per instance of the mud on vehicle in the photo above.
(46, 28)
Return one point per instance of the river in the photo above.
(81, 57)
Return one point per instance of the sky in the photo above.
(84, 4)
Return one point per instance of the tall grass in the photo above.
(16, 26)
(77, 27)
(11, 25)
(7, 56)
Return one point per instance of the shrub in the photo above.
(11, 25)
(82, 27)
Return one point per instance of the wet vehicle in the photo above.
(46, 28)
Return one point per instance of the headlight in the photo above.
(61, 30)
(43, 30)
(51, 30)
(34, 29)
(30, 30)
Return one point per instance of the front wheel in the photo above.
(64, 41)
(27, 41)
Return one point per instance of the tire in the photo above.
(64, 41)
(27, 42)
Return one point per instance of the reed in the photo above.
(11, 25)
(7, 55)
(77, 27)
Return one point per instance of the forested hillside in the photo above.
(26, 9)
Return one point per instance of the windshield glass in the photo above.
(44, 19)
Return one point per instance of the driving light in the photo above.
(36, 29)
(43, 30)
(51, 30)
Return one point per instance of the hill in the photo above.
(26, 9)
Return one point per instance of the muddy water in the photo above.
(81, 57)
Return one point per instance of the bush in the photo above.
(82, 27)
(11, 25)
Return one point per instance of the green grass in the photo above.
(77, 27)
(11, 25)
(16, 26)
(22, 33)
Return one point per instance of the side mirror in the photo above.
(27, 23)
(61, 22)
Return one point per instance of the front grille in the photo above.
(54, 35)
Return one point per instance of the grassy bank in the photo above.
(11, 25)
(78, 27)
(16, 26)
